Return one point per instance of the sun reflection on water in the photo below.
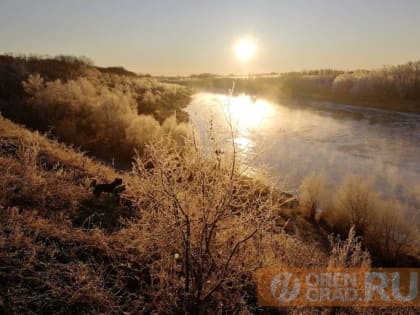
(243, 143)
(246, 113)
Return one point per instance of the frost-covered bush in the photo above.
(107, 114)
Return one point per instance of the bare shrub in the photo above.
(208, 228)
(353, 205)
(105, 114)
(33, 84)
(28, 153)
(141, 130)
(348, 253)
(205, 225)
(312, 193)
(384, 225)
(177, 131)
(392, 234)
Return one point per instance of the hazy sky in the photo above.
(193, 36)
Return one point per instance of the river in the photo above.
(290, 142)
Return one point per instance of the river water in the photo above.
(335, 140)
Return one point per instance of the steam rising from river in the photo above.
(293, 141)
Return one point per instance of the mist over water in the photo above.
(334, 140)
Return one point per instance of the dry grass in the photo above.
(386, 229)
(185, 237)
(312, 193)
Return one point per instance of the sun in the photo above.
(245, 49)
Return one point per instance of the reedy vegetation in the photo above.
(386, 229)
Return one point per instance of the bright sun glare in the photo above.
(245, 49)
(248, 114)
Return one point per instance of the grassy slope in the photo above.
(48, 264)
(61, 249)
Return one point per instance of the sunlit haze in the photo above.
(245, 49)
(247, 113)
(184, 37)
